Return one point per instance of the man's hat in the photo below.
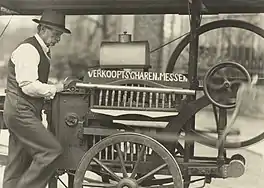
(54, 20)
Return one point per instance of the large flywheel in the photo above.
(228, 87)
(210, 27)
(132, 167)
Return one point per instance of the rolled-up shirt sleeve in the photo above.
(26, 59)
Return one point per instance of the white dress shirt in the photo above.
(26, 59)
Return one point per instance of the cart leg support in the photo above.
(220, 128)
(53, 183)
(195, 8)
(71, 179)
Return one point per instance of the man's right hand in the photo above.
(56, 88)
(59, 87)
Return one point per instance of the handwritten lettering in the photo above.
(135, 75)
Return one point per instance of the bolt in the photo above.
(227, 84)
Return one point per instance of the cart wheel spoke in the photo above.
(142, 151)
(123, 166)
(108, 185)
(151, 173)
(91, 180)
(107, 169)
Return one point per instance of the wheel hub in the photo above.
(227, 84)
(127, 183)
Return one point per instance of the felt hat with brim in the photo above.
(53, 19)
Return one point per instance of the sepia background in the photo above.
(77, 52)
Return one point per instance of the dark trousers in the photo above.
(32, 150)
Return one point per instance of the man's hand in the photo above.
(59, 87)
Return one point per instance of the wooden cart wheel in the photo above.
(150, 171)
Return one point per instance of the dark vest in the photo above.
(33, 103)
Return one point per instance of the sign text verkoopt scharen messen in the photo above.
(136, 75)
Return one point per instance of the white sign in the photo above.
(135, 75)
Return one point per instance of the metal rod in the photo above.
(138, 89)
(220, 128)
(125, 98)
(106, 97)
(195, 7)
(150, 100)
(113, 98)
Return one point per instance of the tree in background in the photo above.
(82, 47)
(78, 51)
(150, 27)
(222, 44)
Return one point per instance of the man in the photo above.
(33, 150)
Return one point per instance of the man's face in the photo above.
(52, 36)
